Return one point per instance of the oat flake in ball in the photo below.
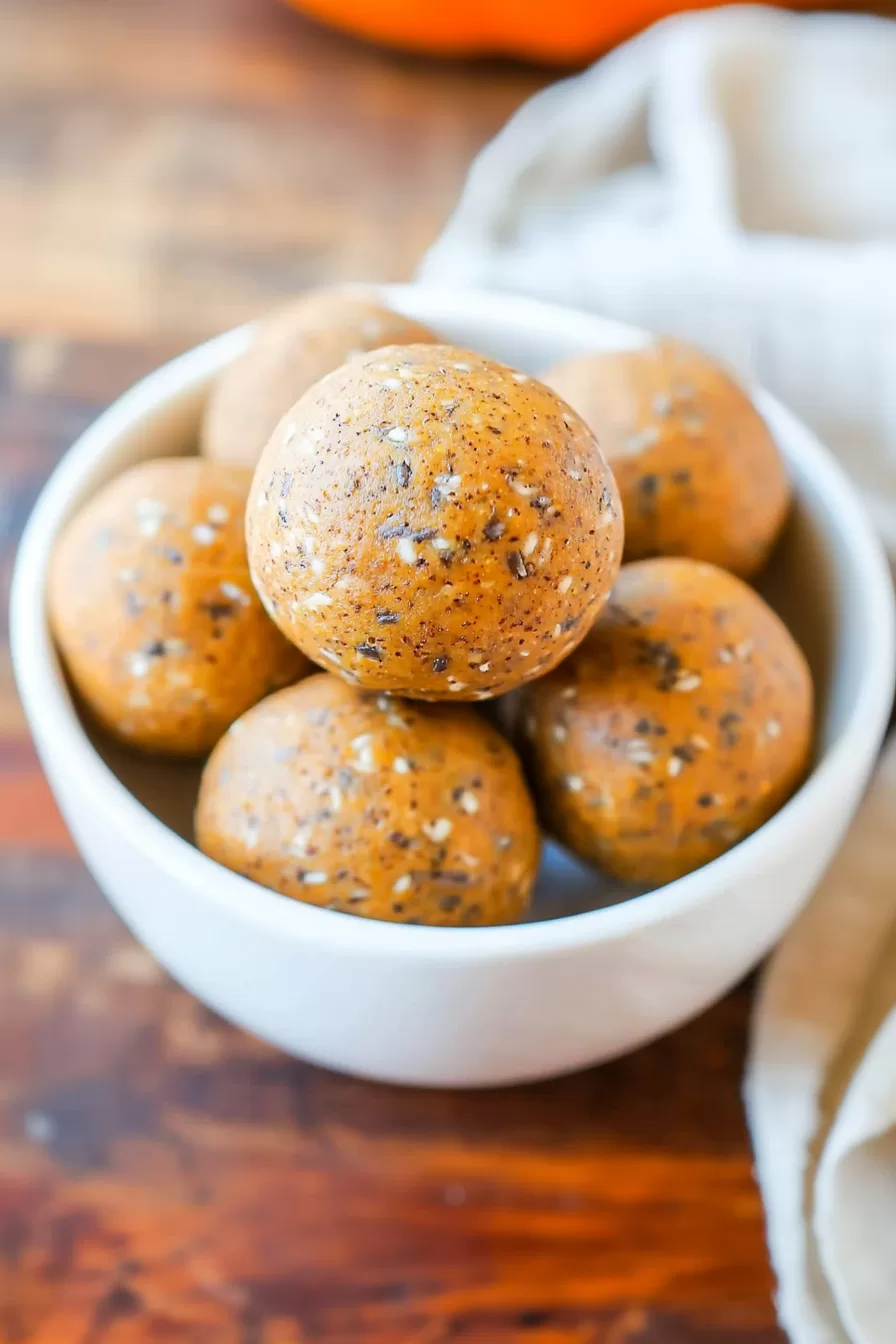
(154, 612)
(373, 806)
(291, 350)
(677, 727)
(697, 468)
(430, 522)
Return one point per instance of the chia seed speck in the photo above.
(517, 565)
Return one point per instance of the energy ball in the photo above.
(429, 522)
(292, 349)
(680, 725)
(697, 468)
(379, 807)
(154, 612)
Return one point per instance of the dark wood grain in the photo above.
(167, 169)
(171, 166)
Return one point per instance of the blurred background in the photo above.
(170, 167)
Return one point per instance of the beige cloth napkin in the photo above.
(730, 177)
(821, 1092)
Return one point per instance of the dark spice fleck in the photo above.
(648, 485)
(425, 534)
(156, 649)
(685, 752)
(657, 653)
(705, 800)
(403, 473)
(493, 530)
(175, 557)
(402, 841)
(569, 623)
(387, 617)
(517, 565)
(540, 502)
(218, 611)
(389, 530)
(729, 725)
(369, 651)
(440, 664)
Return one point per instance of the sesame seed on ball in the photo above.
(430, 522)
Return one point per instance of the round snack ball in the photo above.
(697, 468)
(154, 612)
(291, 350)
(430, 522)
(386, 808)
(682, 723)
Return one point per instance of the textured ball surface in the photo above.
(373, 806)
(680, 725)
(697, 468)
(291, 350)
(429, 522)
(154, 612)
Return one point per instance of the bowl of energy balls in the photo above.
(452, 688)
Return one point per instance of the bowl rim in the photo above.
(47, 702)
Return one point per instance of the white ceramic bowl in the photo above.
(464, 1006)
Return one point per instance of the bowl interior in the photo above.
(810, 581)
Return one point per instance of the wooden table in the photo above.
(168, 168)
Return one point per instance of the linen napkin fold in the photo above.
(821, 1092)
(730, 177)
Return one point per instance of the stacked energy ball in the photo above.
(383, 530)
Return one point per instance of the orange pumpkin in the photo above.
(561, 32)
